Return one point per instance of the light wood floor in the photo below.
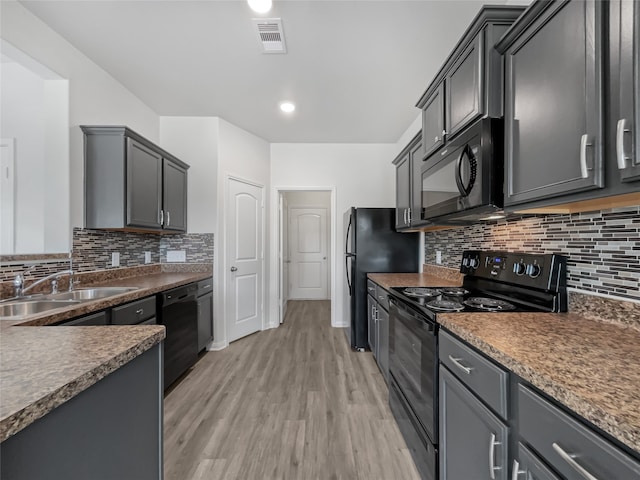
(293, 403)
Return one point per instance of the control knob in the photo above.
(519, 268)
(474, 262)
(533, 270)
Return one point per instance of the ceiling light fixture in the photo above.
(260, 6)
(287, 107)
(494, 217)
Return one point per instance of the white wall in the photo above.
(194, 140)
(360, 174)
(95, 97)
(245, 156)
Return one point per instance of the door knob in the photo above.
(234, 269)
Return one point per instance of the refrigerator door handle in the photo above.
(346, 267)
(346, 240)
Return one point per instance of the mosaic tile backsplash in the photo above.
(603, 248)
(92, 251)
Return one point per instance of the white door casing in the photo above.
(244, 259)
(308, 270)
(7, 195)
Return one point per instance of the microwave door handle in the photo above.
(466, 190)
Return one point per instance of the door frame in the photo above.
(277, 264)
(222, 286)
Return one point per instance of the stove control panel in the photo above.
(544, 271)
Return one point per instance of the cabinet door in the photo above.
(626, 97)
(371, 324)
(144, 183)
(99, 318)
(382, 336)
(433, 121)
(416, 185)
(464, 84)
(528, 467)
(205, 320)
(403, 191)
(473, 441)
(553, 112)
(174, 196)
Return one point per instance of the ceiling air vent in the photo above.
(270, 34)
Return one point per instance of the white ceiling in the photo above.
(355, 69)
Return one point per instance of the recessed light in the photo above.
(494, 217)
(287, 107)
(260, 6)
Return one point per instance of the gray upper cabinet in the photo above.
(553, 102)
(131, 183)
(144, 186)
(403, 190)
(470, 83)
(625, 87)
(464, 88)
(174, 196)
(409, 185)
(433, 121)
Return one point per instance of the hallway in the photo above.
(293, 402)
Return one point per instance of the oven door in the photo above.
(413, 362)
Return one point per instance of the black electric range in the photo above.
(496, 282)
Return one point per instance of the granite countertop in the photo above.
(388, 280)
(43, 367)
(587, 365)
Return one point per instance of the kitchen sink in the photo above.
(31, 307)
(84, 294)
(23, 307)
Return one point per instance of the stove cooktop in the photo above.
(496, 282)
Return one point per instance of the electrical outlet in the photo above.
(147, 257)
(176, 256)
(115, 259)
(438, 257)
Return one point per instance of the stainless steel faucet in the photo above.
(21, 291)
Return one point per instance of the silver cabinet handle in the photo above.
(140, 311)
(409, 217)
(571, 461)
(168, 218)
(492, 451)
(207, 286)
(381, 297)
(234, 269)
(436, 139)
(405, 216)
(456, 362)
(515, 473)
(444, 132)
(621, 129)
(585, 141)
(161, 217)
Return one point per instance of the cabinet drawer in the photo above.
(371, 288)
(529, 467)
(568, 445)
(382, 297)
(482, 376)
(205, 286)
(134, 312)
(99, 318)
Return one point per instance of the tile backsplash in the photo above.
(603, 248)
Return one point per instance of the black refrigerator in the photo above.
(372, 245)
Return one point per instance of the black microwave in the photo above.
(463, 182)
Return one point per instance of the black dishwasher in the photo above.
(179, 314)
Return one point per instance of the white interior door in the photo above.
(244, 237)
(308, 270)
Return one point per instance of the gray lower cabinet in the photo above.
(131, 183)
(134, 313)
(372, 314)
(553, 103)
(205, 313)
(111, 430)
(526, 466)
(382, 338)
(99, 318)
(572, 449)
(378, 326)
(473, 441)
(409, 185)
